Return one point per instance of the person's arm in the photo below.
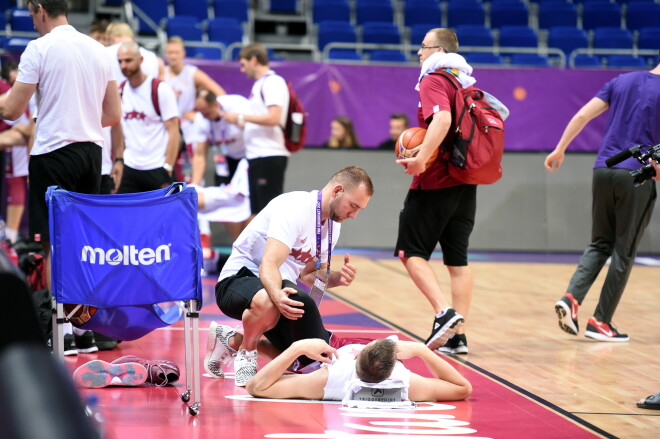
(111, 105)
(202, 80)
(275, 253)
(435, 134)
(589, 111)
(117, 141)
(272, 118)
(172, 126)
(13, 136)
(12, 105)
(448, 384)
(343, 277)
(269, 381)
(199, 162)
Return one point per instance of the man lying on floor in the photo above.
(346, 370)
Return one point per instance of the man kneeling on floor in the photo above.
(376, 365)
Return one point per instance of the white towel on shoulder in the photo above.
(442, 60)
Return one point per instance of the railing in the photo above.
(633, 52)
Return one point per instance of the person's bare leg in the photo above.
(264, 346)
(14, 216)
(259, 318)
(234, 229)
(461, 291)
(425, 279)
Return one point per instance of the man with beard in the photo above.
(150, 125)
(291, 239)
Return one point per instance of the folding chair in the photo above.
(128, 255)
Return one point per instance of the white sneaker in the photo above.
(218, 351)
(245, 367)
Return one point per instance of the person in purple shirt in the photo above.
(620, 211)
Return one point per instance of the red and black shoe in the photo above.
(567, 309)
(603, 331)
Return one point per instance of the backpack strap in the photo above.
(121, 88)
(154, 94)
(450, 76)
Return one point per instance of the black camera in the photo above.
(646, 172)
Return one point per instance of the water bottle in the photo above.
(92, 411)
(3, 226)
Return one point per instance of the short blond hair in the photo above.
(445, 38)
(119, 29)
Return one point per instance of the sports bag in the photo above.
(295, 126)
(475, 154)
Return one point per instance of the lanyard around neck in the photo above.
(319, 227)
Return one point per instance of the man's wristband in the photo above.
(240, 119)
(167, 167)
(119, 159)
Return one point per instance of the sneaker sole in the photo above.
(445, 333)
(600, 337)
(70, 352)
(98, 374)
(565, 321)
(88, 350)
(210, 347)
(462, 350)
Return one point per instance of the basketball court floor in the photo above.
(529, 379)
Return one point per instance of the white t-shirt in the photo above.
(291, 219)
(19, 154)
(262, 140)
(220, 132)
(150, 65)
(106, 157)
(184, 88)
(72, 72)
(145, 135)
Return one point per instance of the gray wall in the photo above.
(529, 209)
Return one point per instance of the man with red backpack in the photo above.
(438, 207)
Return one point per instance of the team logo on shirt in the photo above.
(303, 256)
(134, 115)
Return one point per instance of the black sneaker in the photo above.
(603, 331)
(104, 343)
(455, 345)
(443, 328)
(85, 343)
(567, 309)
(70, 345)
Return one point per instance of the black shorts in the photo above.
(232, 164)
(75, 167)
(266, 178)
(134, 180)
(234, 295)
(444, 216)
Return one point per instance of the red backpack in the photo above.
(295, 127)
(475, 155)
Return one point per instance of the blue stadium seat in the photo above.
(612, 38)
(335, 32)
(422, 12)
(225, 30)
(465, 12)
(649, 38)
(529, 59)
(195, 8)
(417, 34)
(16, 44)
(185, 26)
(212, 53)
(518, 36)
(3, 21)
(584, 60)
(642, 14)
(20, 20)
(331, 10)
(374, 10)
(388, 56)
(283, 6)
(231, 9)
(156, 10)
(380, 32)
(344, 54)
(601, 15)
(553, 14)
(626, 61)
(483, 58)
(474, 35)
(508, 13)
(567, 39)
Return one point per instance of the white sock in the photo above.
(68, 328)
(204, 227)
(11, 234)
(77, 331)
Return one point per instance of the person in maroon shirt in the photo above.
(438, 208)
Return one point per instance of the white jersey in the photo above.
(18, 155)
(106, 157)
(184, 88)
(145, 135)
(261, 140)
(291, 219)
(71, 71)
(221, 133)
(150, 65)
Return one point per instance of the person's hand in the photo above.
(229, 117)
(554, 160)
(117, 174)
(348, 271)
(656, 166)
(317, 349)
(408, 349)
(289, 308)
(413, 166)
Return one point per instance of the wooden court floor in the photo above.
(513, 333)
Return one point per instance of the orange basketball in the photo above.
(82, 314)
(407, 146)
